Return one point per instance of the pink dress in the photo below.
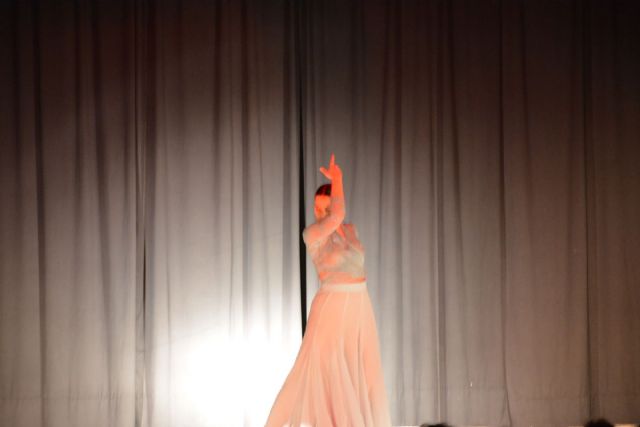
(337, 378)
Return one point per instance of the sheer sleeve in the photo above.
(320, 230)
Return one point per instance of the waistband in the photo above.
(343, 287)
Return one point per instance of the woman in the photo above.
(337, 379)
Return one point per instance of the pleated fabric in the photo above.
(337, 377)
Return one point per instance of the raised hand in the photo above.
(334, 171)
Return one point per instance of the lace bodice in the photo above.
(339, 259)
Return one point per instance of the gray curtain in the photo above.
(222, 308)
(158, 161)
(68, 229)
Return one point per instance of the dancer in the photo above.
(337, 378)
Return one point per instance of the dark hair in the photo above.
(599, 423)
(324, 190)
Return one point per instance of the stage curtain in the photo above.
(69, 195)
(158, 161)
(491, 155)
(222, 307)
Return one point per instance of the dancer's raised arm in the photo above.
(324, 227)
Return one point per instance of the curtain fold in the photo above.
(545, 211)
(151, 190)
(68, 214)
(222, 311)
(613, 153)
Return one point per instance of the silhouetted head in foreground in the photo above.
(435, 425)
(598, 423)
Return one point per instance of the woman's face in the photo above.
(321, 206)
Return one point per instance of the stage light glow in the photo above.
(229, 382)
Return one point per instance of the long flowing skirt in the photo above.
(337, 378)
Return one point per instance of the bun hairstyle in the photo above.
(324, 190)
